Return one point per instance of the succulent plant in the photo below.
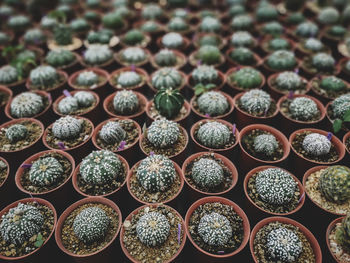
(303, 108)
(84, 98)
(210, 24)
(273, 28)
(295, 18)
(113, 21)
(67, 127)
(150, 26)
(266, 12)
(242, 22)
(247, 78)
(172, 40)
(18, 22)
(165, 58)
(209, 39)
(243, 56)
(178, 24)
(242, 39)
(328, 15)
(332, 83)
(128, 79)
(153, 229)
(168, 102)
(112, 133)
(26, 104)
(278, 44)
(334, 183)
(156, 173)
(209, 55)
(163, 133)
(133, 55)
(48, 22)
(92, 16)
(215, 229)
(60, 57)
(63, 35)
(16, 132)
(44, 76)
(91, 224)
(6, 11)
(68, 105)
(323, 62)
(79, 25)
(166, 78)
(256, 102)
(281, 60)
(34, 36)
(102, 36)
(265, 144)
(45, 171)
(97, 54)
(181, 12)
(126, 102)
(87, 78)
(4, 38)
(307, 29)
(316, 144)
(133, 37)
(275, 186)
(205, 74)
(20, 223)
(214, 134)
(283, 245)
(207, 173)
(342, 234)
(337, 31)
(341, 105)
(313, 44)
(213, 103)
(151, 11)
(8, 75)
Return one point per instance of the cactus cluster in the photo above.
(178, 24)
(97, 54)
(165, 58)
(213, 103)
(265, 144)
(87, 78)
(288, 80)
(307, 29)
(34, 36)
(316, 144)
(209, 55)
(205, 74)
(303, 108)
(169, 102)
(16, 132)
(103, 36)
(45, 171)
(242, 39)
(341, 105)
(243, 56)
(247, 78)
(207, 173)
(210, 24)
(79, 25)
(112, 133)
(125, 102)
(8, 75)
(242, 22)
(214, 134)
(172, 40)
(133, 37)
(67, 127)
(281, 60)
(44, 76)
(60, 57)
(333, 84)
(133, 55)
(323, 62)
(100, 167)
(166, 78)
(128, 79)
(163, 133)
(26, 104)
(256, 102)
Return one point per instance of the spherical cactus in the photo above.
(304, 109)
(328, 15)
(213, 103)
(163, 133)
(44, 76)
(168, 102)
(242, 39)
(210, 24)
(18, 22)
(332, 83)
(84, 98)
(79, 25)
(128, 79)
(341, 105)
(4, 38)
(215, 229)
(48, 22)
(166, 78)
(16, 132)
(288, 80)
(342, 234)
(313, 44)
(133, 55)
(156, 173)
(165, 58)
(178, 24)
(67, 128)
(214, 134)
(323, 62)
(247, 78)
(256, 102)
(236, 9)
(6, 11)
(209, 55)
(60, 57)
(153, 229)
(273, 28)
(172, 40)
(281, 60)
(150, 26)
(20, 223)
(278, 44)
(266, 12)
(316, 144)
(243, 56)
(295, 18)
(125, 102)
(211, 40)
(151, 11)
(34, 36)
(207, 173)
(112, 133)
(97, 54)
(205, 74)
(265, 144)
(8, 75)
(133, 37)
(242, 22)
(63, 35)
(45, 171)
(100, 167)
(283, 245)
(337, 31)
(87, 78)
(113, 21)
(91, 224)
(26, 104)
(307, 29)
(68, 105)
(275, 186)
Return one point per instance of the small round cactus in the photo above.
(211, 40)
(342, 234)
(102, 36)
(16, 132)
(156, 173)
(97, 54)
(328, 15)
(18, 22)
(242, 39)
(45, 76)
(205, 74)
(67, 128)
(150, 26)
(153, 229)
(133, 55)
(60, 57)
(48, 22)
(63, 35)
(178, 24)
(243, 56)
(214, 134)
(26, 104)
(316, 144)
(281, 60)
(45, 171)
(278, 44)
(4, 38)
(151, 11)
(304, 109)
(128, 79)
(79, 25)
(283, 245)
(126, 102)
(113, 21)
(166, 78)
(256, 102)
(213, 103)
(323, 62)
(87, 78)
(337, 31)
(275, 186)
(91, 224)
(209, 55)
(247, 78)
(172, 40)
(165, 58)
(333, 84)
(133, 37)
(84, 98)
(112, 133)
(266, 12)
(313, 44)
(236, 9)
(242, 22)
(215, 229)
(207, 173)
(100, 167)
(210, 24)
(265, 144)
(288, 80)
(20, 223)
(68, 105)
(34, 36)
(341, 105)
(163, 133)
(273, 28)
(307, 29)
(8, 75)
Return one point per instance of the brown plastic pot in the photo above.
(180, 57)
(219, 83)
(183, 48)
(36, 255)
(232, 63)
(9, 93)
(209, 257)
(330, 227)
(117, 57)
(135, 212)
(105, 254)
(60, 195)
(183, 84)
(138, 87)
(285, 220)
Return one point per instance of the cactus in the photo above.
(97, 54)
(243, 56)
(44, 76)
(207, 173)
(209, 55)
(20, 223)
(123, 11)
(8, 75)
(6, 11)
(332, 83)
(213, 103)
(68, 105)
(34, 36)
(247, 78)
(45, 171)
(26, 104)
(337, 31)
(342, 234)
(334, 183)
(165, 58)
(265, 144)
(178, 24)
(307, 29)
(125, 102)
(84, 98)
(181, 12)
(93, 3)
(16, 132)
(87, 78)
(172, 40)
(341, 105)
(215, 229)
(92, 16)
(79, 25)
(133, 37)
(133, 55)
(100, 167)
(205, 74)
(313, 44)
(48, 22)
(242, 22)
(289, 80)
(283, 245)
(256, 102)
(316, 144)
(156, 173)
(281, 60)
(91, 224)
(295, 18)
(210, 25)
(328, 15)
(18, 22)
(214, 134)
(4, 38)
(323, 62)
(303, 109)
(102, 36)
(153, 229)
(112, 133)
(150, 26)
(242, 39)
(60, 58)
(163, 133)
(278, 44)
(166, 78)
(266, 12)
(67, 128)
(275, 186)
(273, 28)
(168, 102)
(151, 11)
(210, 40)
(113, 21)
(63, 35)
(128, 79)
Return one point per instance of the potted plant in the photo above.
(79, 26)
(206, 74)
(132, 56)
(202, 39)
(337, 113)
(311, 46)
(114, 21)
(210, 24)
(304, 30)
(321, 63)
(280, 60)
(151, 27)
(173, 40)
(98, 55)
(208, 55)
(102, 36)
(167, 77)
(18, 23)
(35, 37)
(153, 11)
(63, 59)
(244, 78)
(271, 44)
(242, 39)
(243, 22)
(179, 25)
(128, 78)
(242, 56)
(135, 37)
(328, 87)
(168, 58)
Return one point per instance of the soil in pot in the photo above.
(316, 86)
(154, 113)
(284, 108)
(341, 254)
(235, 221)
(3, 171)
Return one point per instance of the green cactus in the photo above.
(18, 22)
(278, 44)
(163, 133)
(165, 58)
(236, 9)
(272, 28)
(265, 144)
(68, 105)
(112, 133)
(44, 77)
(210, 25)
(133, 55)
(304, 109)
(84, 98)
(8, 75)
(152, 11)
(79, 25)
(26, 104)
(323, 62)
(97, 54)
(48, 22)
(213, 103)
(34, 37)
(67, 128)
(209, 55)
(307, 29)
(316, 144)
(172, 40)
(256, 102)
(16, 132)
(102, 36)
(341, 105)
(328, 15)
(133, 37)
(92, 16)
(150, 26)
(247, 78)
(63, 35)
(125, 102)
(113, 21)
(6, 11)
(313, 44)
(205, 74)
(210, 40)
(281, 60)
(4, 39)
(288, 80)
(45, 171)
(295, 18)
(214, 134)
(87, 78)
(128, 79)
(242, 22)
(167, 78)
(178, 24)
(168, 102)
(207, 173)
(242, 39)
(243, 56)
(266, 12)
(332, 83)
(60, 58)
(337, 31)
(342, 234)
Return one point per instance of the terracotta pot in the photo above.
(330, 227)
(235, 64)
(60, 195)
(39, 254)
(209, 257)
(346, 137)
(135, 212)
(8, 93)
(285, 220)
(117, 57)
(196, 38)
(106, 253)
(220, 83)
(288, 125)
(93, 114)
(140, 87)
(302, 163)
(181, 58)
(183, 48)
(183, 84)
(5, 187)
(251, 161)
(195, 62)
(100, 89)
(243, 118)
